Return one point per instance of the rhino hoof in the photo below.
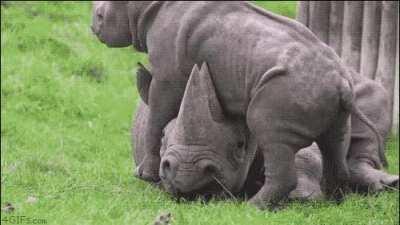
(150, 177)
(261, 205)
(391, 182)
(303, 195)
(365, 178)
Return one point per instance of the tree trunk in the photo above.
(386, 68)
(352, 28)
(319, 19)
(302, 12)
(370, 38)
(336, 25)
(364, 34)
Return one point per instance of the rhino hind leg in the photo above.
(365, 178)
(271, 123)
(333, 145)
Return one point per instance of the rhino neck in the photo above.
(141, 19)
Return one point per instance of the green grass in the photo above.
(66, 107)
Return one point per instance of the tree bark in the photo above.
(336, 25)
(351, 38)
(319, 19)
(302, 12)
(370, 38)
(386, 68)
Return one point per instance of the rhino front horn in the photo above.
(200, 109)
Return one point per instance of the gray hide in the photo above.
(267, 70)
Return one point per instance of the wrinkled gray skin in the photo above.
(269, 71)
(363, 157)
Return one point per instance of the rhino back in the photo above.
(238, 41)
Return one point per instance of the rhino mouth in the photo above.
(206, 193)
(214, 189)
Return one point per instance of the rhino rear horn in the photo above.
(207, 84)
(143, 80)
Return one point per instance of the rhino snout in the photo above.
(169, 167)
(183, 177)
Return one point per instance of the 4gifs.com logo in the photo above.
(19, 219)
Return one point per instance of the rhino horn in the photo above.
(194, 118)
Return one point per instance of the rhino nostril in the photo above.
(166, 165)
(168, 168)
(210, 169)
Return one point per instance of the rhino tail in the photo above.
(348, 103)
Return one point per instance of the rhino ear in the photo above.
(207, 85)
(143, 80)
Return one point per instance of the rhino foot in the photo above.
(306, 190)
(148, 171)
(365, 178)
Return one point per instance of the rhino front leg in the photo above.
(308, 164)
(366, 172)
(163, 100)
(366, 178)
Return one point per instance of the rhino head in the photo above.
(110, 23)
(123, 23)
(205, 151)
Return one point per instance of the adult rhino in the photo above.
(363, 157)
(269, 71)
